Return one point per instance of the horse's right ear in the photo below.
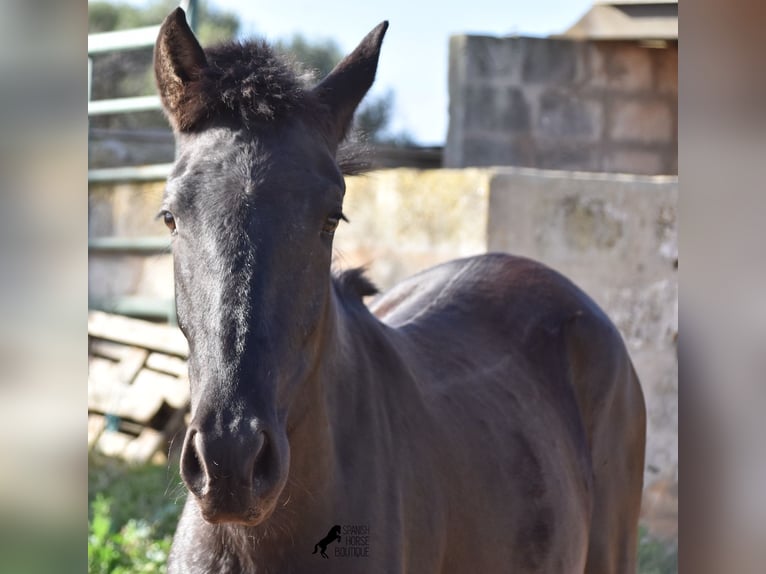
(345, 86)
(178, 62)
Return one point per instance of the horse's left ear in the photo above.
(344, 87)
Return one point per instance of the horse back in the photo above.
(498, 308)
(518, 352)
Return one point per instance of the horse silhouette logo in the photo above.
(332, 536)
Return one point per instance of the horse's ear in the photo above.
(178, 61)
(344, 87)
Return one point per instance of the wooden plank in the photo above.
(105, 371)
(173, 390)
(113, 443)
(96, 424)
(131, 364)
(128, 426)
(167, 364)
(137, 333)
(106, 349)
(142, 448)
(124, 401)
(137, 369)
(101, 369)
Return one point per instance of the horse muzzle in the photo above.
(237, 474)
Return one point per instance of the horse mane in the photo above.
(354, 158)
(354, 284)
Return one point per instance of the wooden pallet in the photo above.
(138, 389)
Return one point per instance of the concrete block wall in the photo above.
(608, 106)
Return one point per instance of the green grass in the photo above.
(656, 557)
(133, 511)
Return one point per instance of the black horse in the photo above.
(483, 416)
(332, 536)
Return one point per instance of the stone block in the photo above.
(603, 229)
(553, 153)
(646, 121)
(454, 148)
(630, 68)
(547, 61)
(589, 224)
(495, 109)
(666, 71)
(492, 59)
(596, 56)
(638, 161)
(532, 101)
(565, 114)
(458, 61)
(486, 150)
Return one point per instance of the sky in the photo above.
(415, 54)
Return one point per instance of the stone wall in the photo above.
(607, 106)
(614, 235)
(404, 220)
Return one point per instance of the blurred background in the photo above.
(547, 129)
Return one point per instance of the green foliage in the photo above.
(214, 25)
(133, 548)
(133, 511)
(317, 58)
(129, 73)
(656, 557)
(373, 118)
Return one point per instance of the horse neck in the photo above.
(359, 384)
(356, 387)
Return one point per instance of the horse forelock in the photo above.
(246, 82)
(250, 84)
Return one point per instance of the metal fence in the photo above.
(119, 41)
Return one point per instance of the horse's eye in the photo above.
(331, 224)
(169, 220)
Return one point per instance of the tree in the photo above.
(214, 25)
(316, 60)
(130, 73)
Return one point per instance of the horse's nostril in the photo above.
(215, 465)
(192, 471)
(261, 458)
(264, 443)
